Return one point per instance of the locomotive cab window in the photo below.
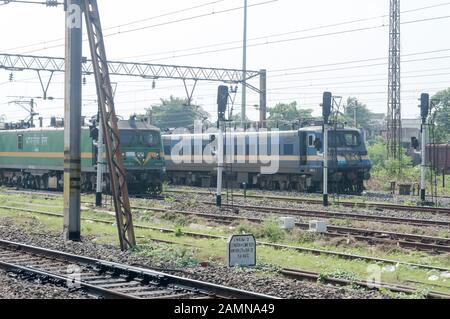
(20, 142)
(139, 138)
(344, 139)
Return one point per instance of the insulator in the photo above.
(51, 3)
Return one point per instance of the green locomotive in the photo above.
(33, 158)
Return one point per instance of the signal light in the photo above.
(424, 105)
(11, 77)
(222, 99)
(326, 105)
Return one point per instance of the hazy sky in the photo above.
(301, 64)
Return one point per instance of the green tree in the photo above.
(363, 114)
(291, 112)
(175, 112)
(442, 103)
(385, 170)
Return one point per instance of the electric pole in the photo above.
(222, 102)
(394, 121)
(100, 165)
(244, 71)
(72, 121)
(424, 110)
(326, 112)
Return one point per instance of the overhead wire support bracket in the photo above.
(45, 89)
(189, 94)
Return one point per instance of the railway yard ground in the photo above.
(184, 234)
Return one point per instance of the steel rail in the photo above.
(302, 274)
(267, 244)
(413, 241)
(385, 206)
(112, 280)
(429, 243)
(338, 215)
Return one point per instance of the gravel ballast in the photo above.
(251, 280)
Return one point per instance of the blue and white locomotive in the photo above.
(284, 160)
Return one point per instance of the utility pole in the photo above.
(72, 126)
(222, 102)
(424, 110)
(32, 114)
(100, 165)
(263, 97)
(326, 112)
(394, 121)
(244, 70)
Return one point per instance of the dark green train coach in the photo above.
(33, 158)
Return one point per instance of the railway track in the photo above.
(106, 279)
(379, 206)
(319, 213)
(412, 241)
(300, 249)
(408, 241)
(312, 276)
(374, 205)
(337, 215)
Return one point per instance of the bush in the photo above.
(272, 231)
(385, 170)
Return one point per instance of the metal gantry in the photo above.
(17, 62)
(109, 122)
(394, 120)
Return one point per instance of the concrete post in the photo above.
(100, 165)
(423, 168)
(72, 121)
(325, 165)
(263, 98)
(219, 164)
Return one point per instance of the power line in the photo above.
(125, 24)
(286, 33)
(166, 23)
(292, 39)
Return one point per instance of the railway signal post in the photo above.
(424, 110)
(100, 159)
(326, 112)
(222, 101)
(72, 125)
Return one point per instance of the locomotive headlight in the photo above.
(140, 155)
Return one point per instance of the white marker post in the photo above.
(241, 251)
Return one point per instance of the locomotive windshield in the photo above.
(139, 138)
(344, 139)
